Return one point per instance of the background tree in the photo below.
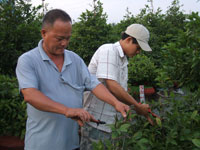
(162, 27)
(120, 27)
(19, 32)
(90, 32)
(181, 57)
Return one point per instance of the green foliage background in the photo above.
(12, 108)
(19, 32)
(90, 32)
(174, 38)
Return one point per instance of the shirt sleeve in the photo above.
(90, 81)
(26, 73)
(107, 66)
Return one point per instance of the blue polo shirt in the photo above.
(46, 130)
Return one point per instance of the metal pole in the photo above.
(43, 6)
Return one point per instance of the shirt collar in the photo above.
(67, 59)
(119, 48)
(42, 52)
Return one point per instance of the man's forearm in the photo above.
(101, 92)
(120, 93)
(42, 102)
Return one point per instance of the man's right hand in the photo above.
(143, 109)
(80, 115)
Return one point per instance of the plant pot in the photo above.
(11, 143)
(149, 91)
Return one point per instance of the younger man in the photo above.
(109, 64)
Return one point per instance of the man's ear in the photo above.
(43, 32)
(129, 39)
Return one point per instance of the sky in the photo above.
(115, 9)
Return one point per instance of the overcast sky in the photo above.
(115, 9)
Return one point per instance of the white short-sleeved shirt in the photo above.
(108, 62)
(47, 130)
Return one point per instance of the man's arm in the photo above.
(101, 92)
(125, 97)
(44, 103)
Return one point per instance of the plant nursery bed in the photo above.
(11, 143)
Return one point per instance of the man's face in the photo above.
(131, 49)
(56, 38)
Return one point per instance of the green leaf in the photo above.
(158, 121)
(196, 142)
(137, 135)
(146, 124)
(112, 126)
(143, 141)
(124, 127)
(114, 135)
(194, 114)
(172, 141)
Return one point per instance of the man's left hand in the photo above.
(122, 108)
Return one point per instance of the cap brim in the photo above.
(144, 46)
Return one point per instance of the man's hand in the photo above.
(79, 115)
(143, 109)
(101, 92)
(122, 108)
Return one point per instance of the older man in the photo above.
(52, 80)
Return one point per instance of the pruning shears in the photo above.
(98, 122)
(153, 114)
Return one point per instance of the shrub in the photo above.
(141, 71)
(178, 128)
(12, 108)
(181, 58)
